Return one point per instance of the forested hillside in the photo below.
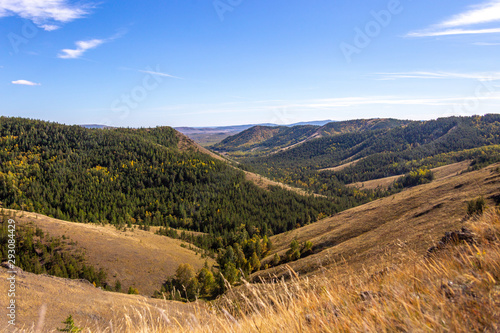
(265, 140)
(139, 176)
(382, 152)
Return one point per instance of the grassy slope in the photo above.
(88, 305)
(439, 173)
(365, 234)
(455, 290)
(136, 258)
(342, 166)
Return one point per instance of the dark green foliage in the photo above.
(476, 206)
(42, 254)
(206, 282)
(264, 139)
(276, 259)
(138, 176)
(382, 153)
(118, 286)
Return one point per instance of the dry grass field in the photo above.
(137, 258)
(439, 173)
(457, 289)
(90, 307)
(366, 235)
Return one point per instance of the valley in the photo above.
(182, 228)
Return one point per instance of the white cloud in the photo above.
(47, 14)
(484, 13)
(492, 76)
(81, 48)
(488, 12)
(26, 83)
(486, 44)
(159, 74)
(451, 32)
(85, 45)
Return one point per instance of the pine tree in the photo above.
(276, 259)
(70, 326)
(118, 286)
(255, 262)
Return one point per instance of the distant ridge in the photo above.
(266, 139)
(211, 135)
(183, 129)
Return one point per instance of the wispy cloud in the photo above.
(492, 76)
(327, 104)
(488, 12)
(155, 73)
(26, 83)
(486, 44)
(452, 32)
(85, 45)
(46, 14)
(81, 48)
(152, 71)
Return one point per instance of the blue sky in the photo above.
(227, 62)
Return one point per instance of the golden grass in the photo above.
(384, 183)
(342, 166)
(264, 183)
(455, 290)
(90, 307)
(364, 235)
(136, 258)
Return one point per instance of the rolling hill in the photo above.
(44, 302)
(379, 153)
(377, 244)
(263, 140)
(208, 136)
(414, 219)
(136, 258)
(148, 177)
(131, 179)
(123, 184)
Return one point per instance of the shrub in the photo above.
(476, 206)
(133, 291)
(70, 326)
(414, 178)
